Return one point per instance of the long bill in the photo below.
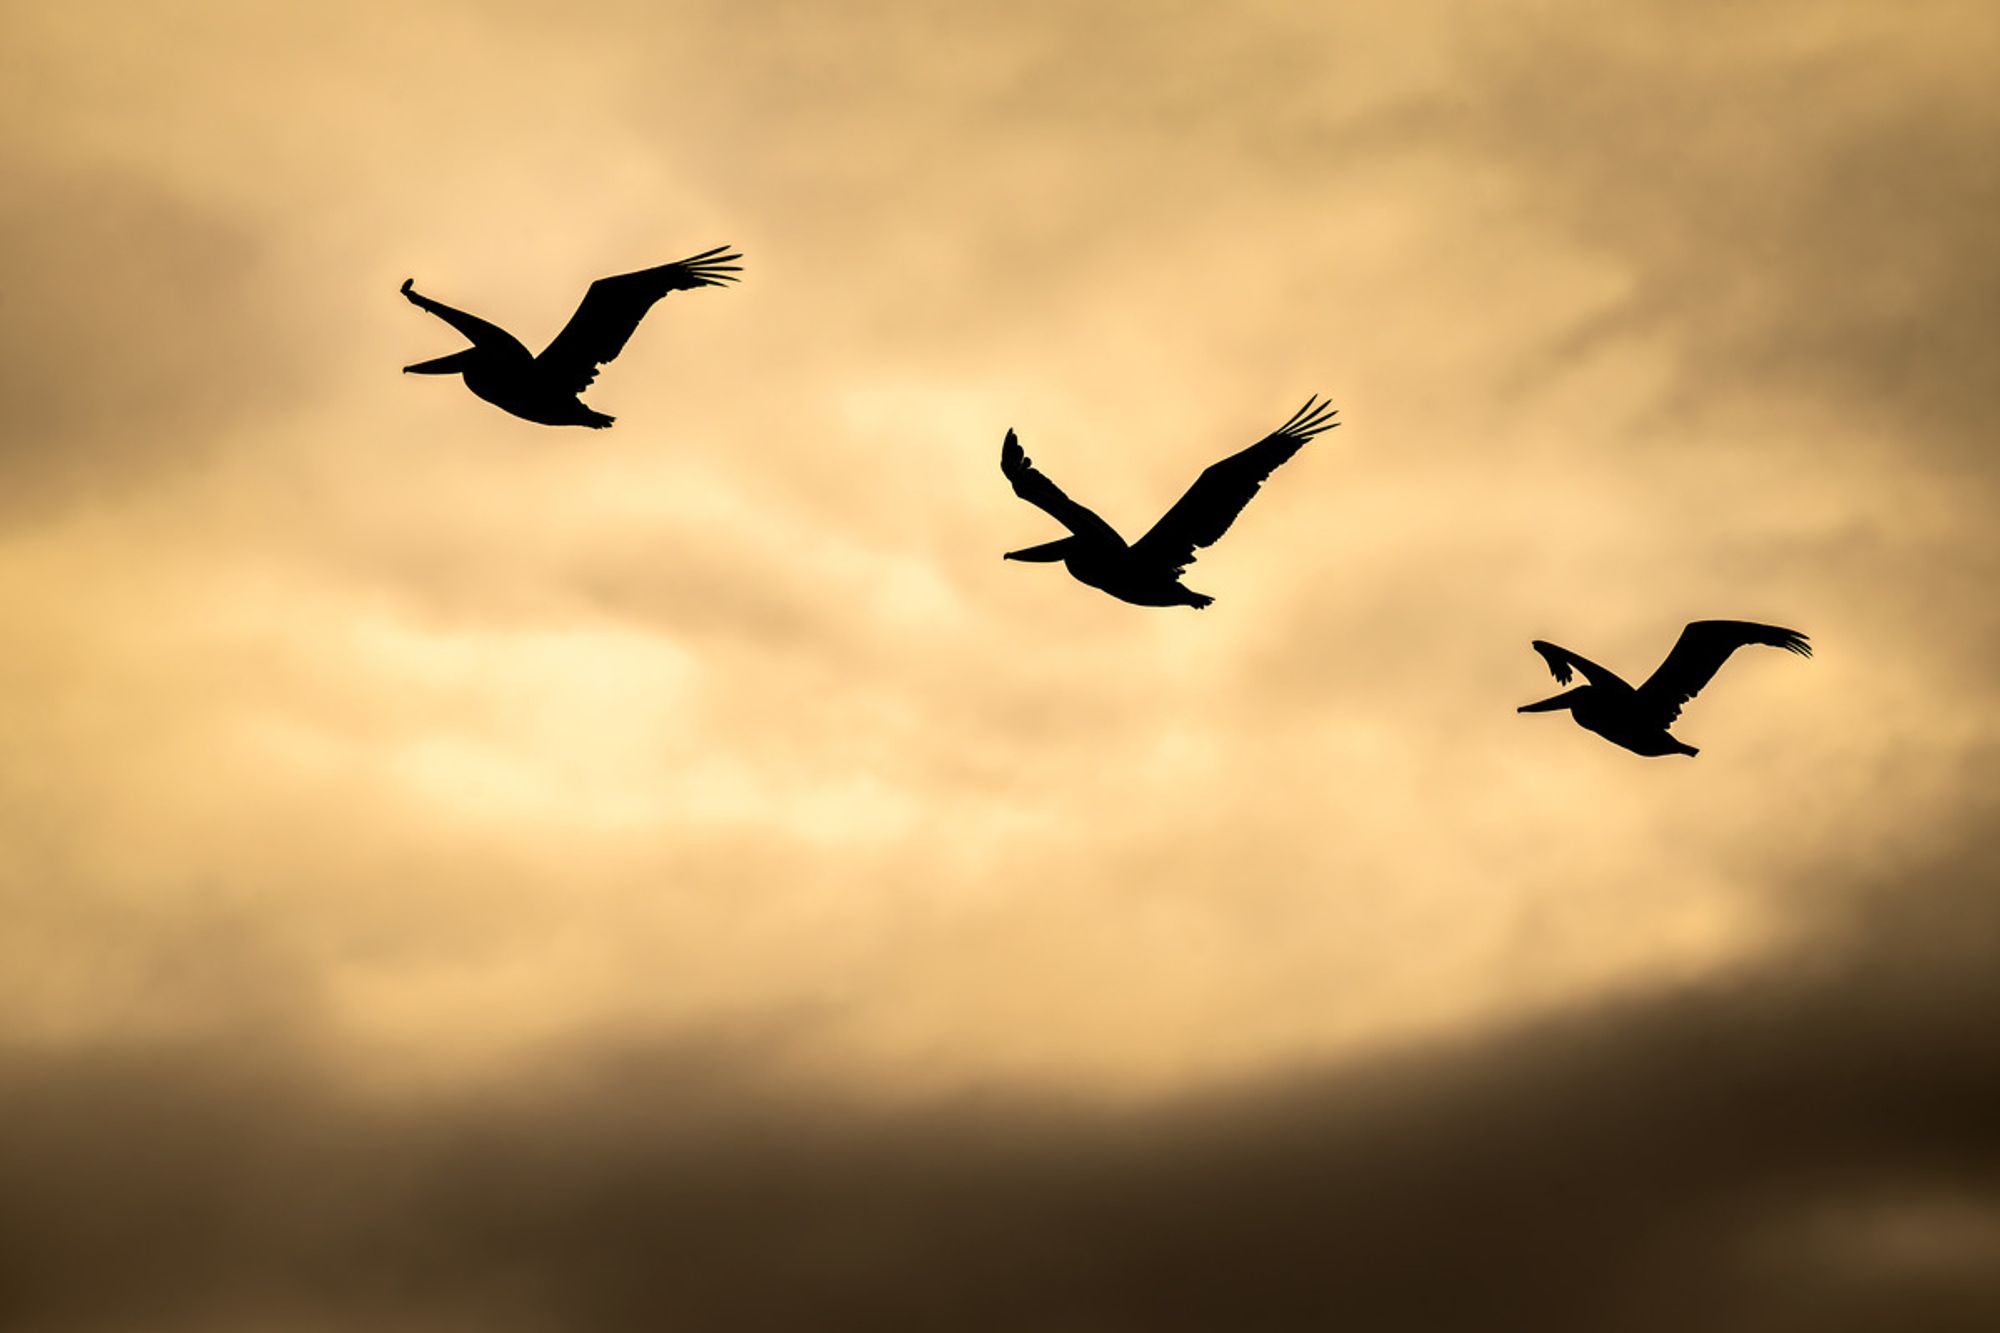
(1047, 551)
(455, 364)
(1554, 703)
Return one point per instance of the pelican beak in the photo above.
(1047, 551)
(1553, 704)
(454, 364)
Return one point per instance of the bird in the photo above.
(547, 388)
(1148, 572)
(1638, 719)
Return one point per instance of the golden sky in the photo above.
(368, 748)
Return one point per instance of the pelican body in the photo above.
(1637, 719)
(1612, 711)
(1112, 566)
(548, 388)
(505, 376)
(1148, 572)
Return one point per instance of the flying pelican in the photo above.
(1638, 719)
(1148, 572)
(545, 388)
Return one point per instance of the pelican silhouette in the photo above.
(1148, 572)
(1638, 719)
(545, 388)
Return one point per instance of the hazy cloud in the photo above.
(460, 873)
(1805, 1145)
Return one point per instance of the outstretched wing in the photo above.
(1704, 646)
(1562, 660)
(482, 334)
(613, 307)
(1218, 495)
(1048, 497)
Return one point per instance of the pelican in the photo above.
(545, 388)
(1638, 719)
(1148, 572)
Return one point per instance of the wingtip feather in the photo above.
(1316, 416)
(1552, 656)
(713, 268)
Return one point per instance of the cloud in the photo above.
(1798, 195)
(740, 694)
(1805, 1144)
(139, 327)
(413, 732)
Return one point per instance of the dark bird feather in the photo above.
(1035, 487)
(612, 308)
(1219, 494)
(1562, 660)
(1700, 652)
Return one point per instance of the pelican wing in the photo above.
(1219, 494)
(483, 334)
(1561, 661)
(1704, 646)
(1048, 497)
(613, 307)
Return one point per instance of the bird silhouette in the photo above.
(546, 388)
(1638, 719)
(1148, 572)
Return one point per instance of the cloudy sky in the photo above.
(463, 874)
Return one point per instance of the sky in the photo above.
(462, 873)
